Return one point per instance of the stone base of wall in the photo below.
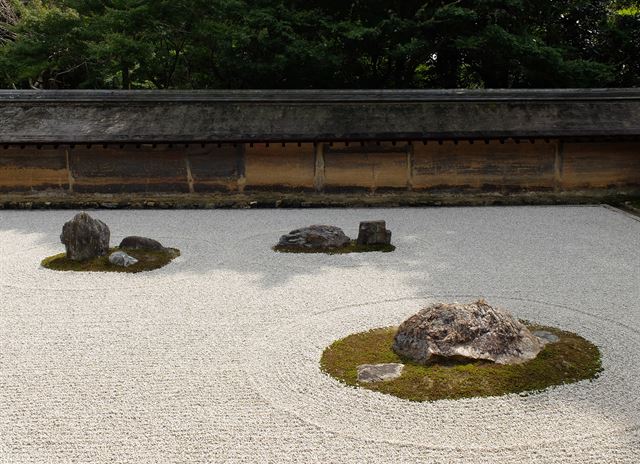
(251, 200)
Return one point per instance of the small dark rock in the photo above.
(85, 238)
(373, 233)
(140, 243)
(316, 236)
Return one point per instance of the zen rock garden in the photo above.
(444, 351)
(376, 357)
(453, 350)
(372, 236)
(86, 242)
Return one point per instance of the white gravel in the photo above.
(215, 357)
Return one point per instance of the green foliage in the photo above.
(623, 44)
(318, 43)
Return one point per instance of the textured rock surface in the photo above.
(316, 236)
(465, 331)
(373, 233)
(379, 372)
(120, 258)
(85, 238)
(140, 243)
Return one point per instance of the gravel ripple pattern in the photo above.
(215, 358)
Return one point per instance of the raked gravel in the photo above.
(214, 358)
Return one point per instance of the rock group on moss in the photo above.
(326, 237)
(87, 239)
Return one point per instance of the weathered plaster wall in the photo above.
(485, 166)
(274, 166)
(30, 168)
(236, 142)
(527, 166)
(370, 166)
(599, 165)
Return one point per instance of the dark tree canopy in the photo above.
(319, 43)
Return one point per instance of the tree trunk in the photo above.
(447, 68)
(126, 79)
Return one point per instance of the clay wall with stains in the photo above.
(463, 166)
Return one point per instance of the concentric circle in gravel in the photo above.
(215, 358)
(304, 391)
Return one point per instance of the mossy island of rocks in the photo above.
(453, 351)
(87, 249)
(372, 236)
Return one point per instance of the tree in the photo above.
(318, 43)
(46, 51)
(8, 18)
(623, 47)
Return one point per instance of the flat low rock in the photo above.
(546, 337)
(120, 258)
(140, 243)
(85, 238)
(374, 233)
(475, 331)
(379, 372)
(315, 236)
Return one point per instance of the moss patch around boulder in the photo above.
(351, 247)
(148, 260)
(571, 359)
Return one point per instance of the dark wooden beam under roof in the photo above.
(40, 117)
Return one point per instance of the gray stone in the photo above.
(373, 233)
(316, 236)
(379, 372)
(85, 238)
(140, 243)
(546, 337)
(120, 258)
(465, 331)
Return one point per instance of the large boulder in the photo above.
(140, 243)
(85, 238)
(316, 236)
(475, 331)
(373, 233)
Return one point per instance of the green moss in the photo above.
(569, 360)
(148, 260)
(352, 247)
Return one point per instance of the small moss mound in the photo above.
(569, 360)
(352, 247)
(148, 260)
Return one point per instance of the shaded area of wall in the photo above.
(493, 166)
(29, 168)
(369, 167)
(599, 165)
